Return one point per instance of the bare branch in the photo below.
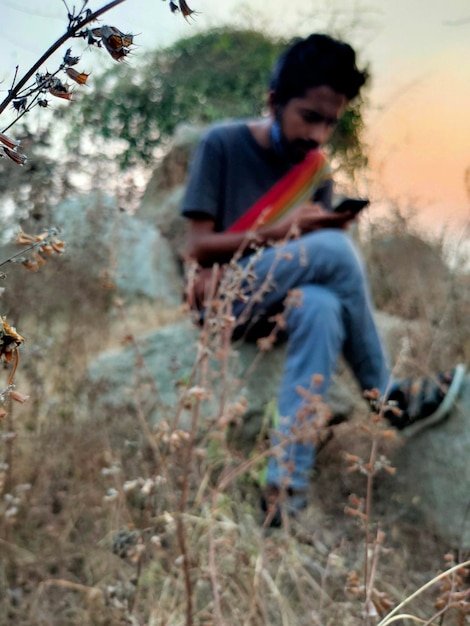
(69, 34)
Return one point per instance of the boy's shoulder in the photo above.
(226, 131)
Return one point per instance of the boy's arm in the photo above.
(208, 247)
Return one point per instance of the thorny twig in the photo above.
(75, 25)
(24, 98)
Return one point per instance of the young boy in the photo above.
(265, 180)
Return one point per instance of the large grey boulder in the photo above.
(137, 258)
(433, 467)
(160, 204)
(433, 474)
(167, 358)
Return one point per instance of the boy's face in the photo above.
(308, 122)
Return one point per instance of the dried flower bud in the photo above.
(9, 436)
(8, 141)
(18, 397)
(69, 59)
(351, 458)
(240, 406)
(380, 536)
(185, 10)
(114, 470)
(148, 487)
(31, 265)
(17, 157)
(62, 92)
(11, 512)
(9, 340)
(47, 248)
(78, 77)
(354, 500)
(317, 380)
(130, 485)
(111, 495)
(353, 582)
(23, 239)
(37, 258)
(265, 344)
(354, 512)
(55, 86)
(42, 80)
(200, 393)
(57, 245)
(20, 104)
(371, 394)
(115, 42)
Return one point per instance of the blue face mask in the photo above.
(277, 140)
(291, 153)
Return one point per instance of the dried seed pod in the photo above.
(9, 142)
(15, 156)
(78, 77)
(115, 42)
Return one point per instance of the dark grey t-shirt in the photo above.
(229, 172)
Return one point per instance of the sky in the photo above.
(418, 52)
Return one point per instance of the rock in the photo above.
(169, 355)
(121, 377)
(171, 172)
(433, 471)
(160, 204)
(170, 223)
(135, 256)
(433, 474)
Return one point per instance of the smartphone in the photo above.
(351, 205)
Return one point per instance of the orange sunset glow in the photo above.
(421, 143)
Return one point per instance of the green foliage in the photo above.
(34, 187)
(219, 74)
(346, 143)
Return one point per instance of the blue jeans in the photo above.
(333, 315)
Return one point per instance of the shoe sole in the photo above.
(441, 412)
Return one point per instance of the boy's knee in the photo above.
(337, 251)
(315, 317)
(310, 302)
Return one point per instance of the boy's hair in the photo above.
(317, 60)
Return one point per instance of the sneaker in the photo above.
(423, 402)
(275, 502)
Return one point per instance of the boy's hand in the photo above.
(309, 217)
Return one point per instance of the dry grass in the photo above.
(122, 523)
